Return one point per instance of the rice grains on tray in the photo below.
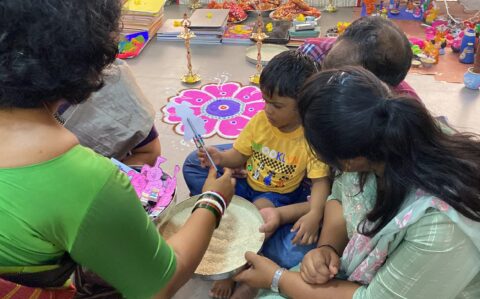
(237, 234)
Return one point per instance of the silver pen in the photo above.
(200, 143)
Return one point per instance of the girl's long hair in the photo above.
(349, 113)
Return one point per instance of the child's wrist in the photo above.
(220, 160)
(331, 247)
(315, 212)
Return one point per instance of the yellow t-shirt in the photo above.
(277, 161)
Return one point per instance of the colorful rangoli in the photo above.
(225, 108)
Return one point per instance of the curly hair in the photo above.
(55, 49)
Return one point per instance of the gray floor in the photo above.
(159, 67)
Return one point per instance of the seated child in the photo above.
(116, 121)
(373, 42)
(277, 158)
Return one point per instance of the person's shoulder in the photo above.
(407, 90)
(434, 231)
(260, 116)
(436, 225)
(87, 157)
(86, 178)
(259, 121)
(82, 163)
(70, 185)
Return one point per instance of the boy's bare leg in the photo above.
(225, 288)
(222, 289)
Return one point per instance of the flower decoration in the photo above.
(225, 108)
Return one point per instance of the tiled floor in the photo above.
(160, 66)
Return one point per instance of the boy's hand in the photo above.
(307, 229)
(319, 265)
(214, 153)
(271, 218)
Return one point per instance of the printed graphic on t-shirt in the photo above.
(271, 167)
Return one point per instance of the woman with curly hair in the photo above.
(62, 205)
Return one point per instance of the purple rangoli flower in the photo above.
(225, 108)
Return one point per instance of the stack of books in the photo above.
(142, 16)
(208, 25)
(170, 30)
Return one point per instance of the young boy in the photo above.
(277, 159)
(373, 42)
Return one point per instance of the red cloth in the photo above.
(405, 89)
(12, 290)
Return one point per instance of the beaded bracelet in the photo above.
(212, 201)
(217, 196)
(212, 209)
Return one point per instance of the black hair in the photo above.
(378, 45)
(55, 49)
(349, 113)
(285, 74)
